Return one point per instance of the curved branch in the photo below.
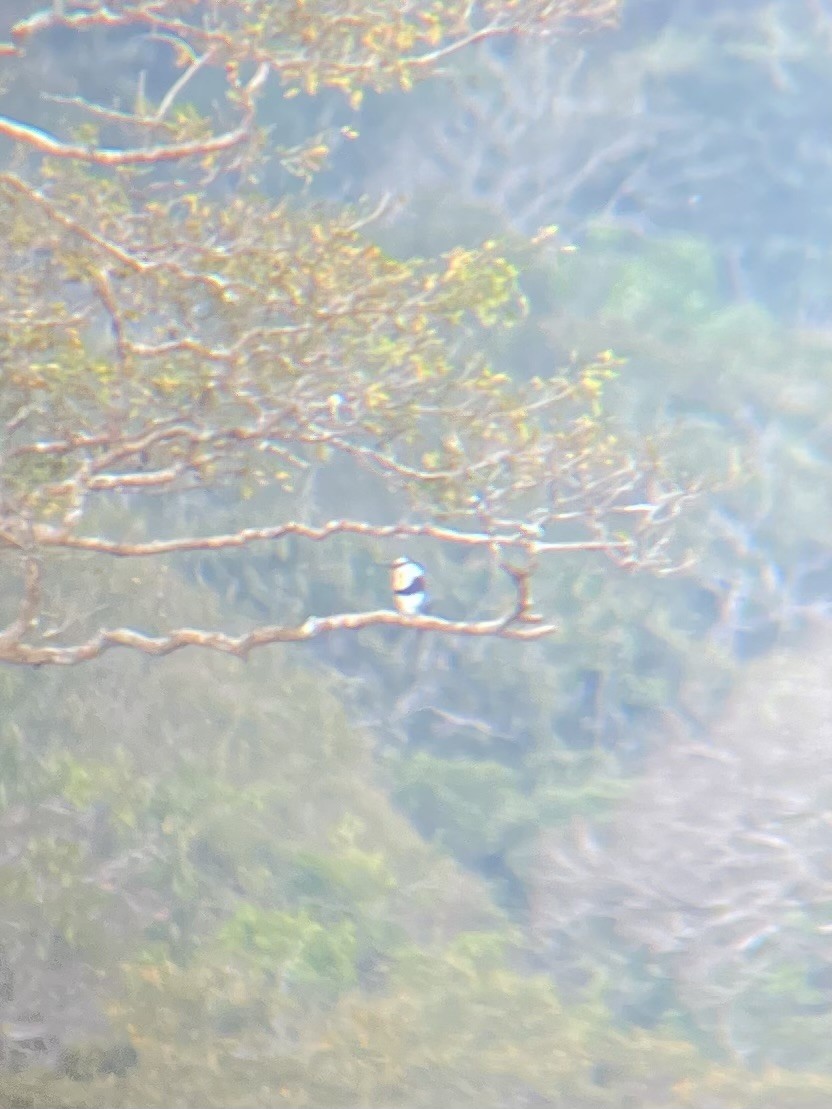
(44, 143)
(44, 535)
(23, 654)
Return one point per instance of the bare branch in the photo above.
(44, 143)
(45, 535)
(15, 652)
(176, 88)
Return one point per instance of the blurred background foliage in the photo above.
(376, 871)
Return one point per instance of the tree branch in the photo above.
(44, 143)
(45, 535)
(17, 653)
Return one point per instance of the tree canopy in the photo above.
(171, 324)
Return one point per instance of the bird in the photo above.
(407, 582)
